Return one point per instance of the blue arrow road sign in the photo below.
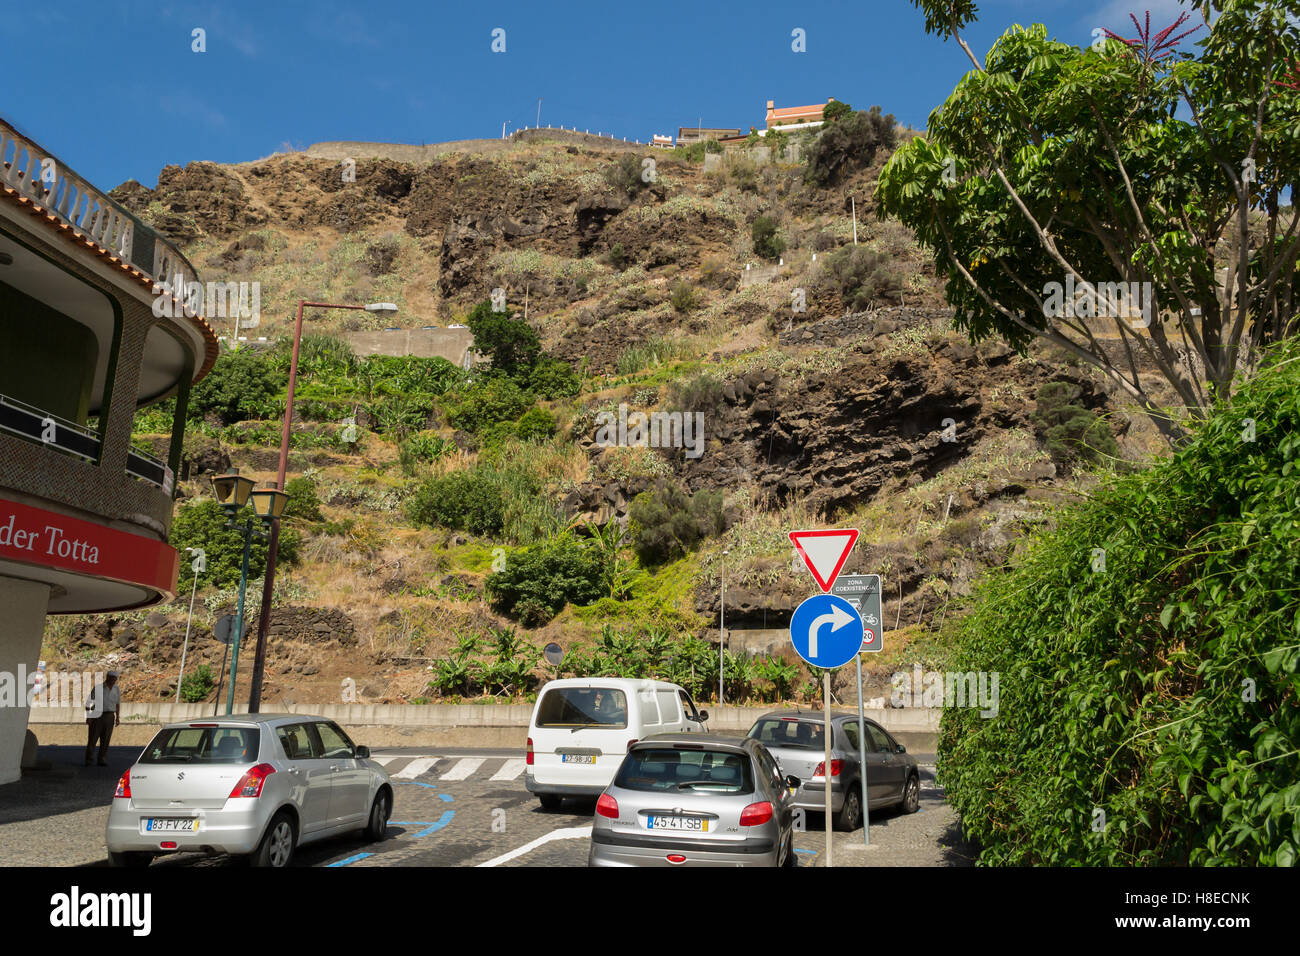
(826, 631)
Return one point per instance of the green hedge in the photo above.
(1158, 688)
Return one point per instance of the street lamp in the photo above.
(268, 582)
(233, 491)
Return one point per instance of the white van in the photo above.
(582, 727)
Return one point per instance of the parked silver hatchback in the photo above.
(695, 799)
(249, 784)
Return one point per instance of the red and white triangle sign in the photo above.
(824, 552)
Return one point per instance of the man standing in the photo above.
(102, 708)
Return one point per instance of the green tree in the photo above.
(511, 343)
(202, 524)
(241, 385)
(1132, 161)
(835, 110)
(537, 582)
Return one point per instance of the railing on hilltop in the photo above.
(36, 173)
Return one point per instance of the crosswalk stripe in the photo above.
(385, 759)
(509, 770)
(463, 768)
(416, 767)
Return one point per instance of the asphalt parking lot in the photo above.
(452, 807)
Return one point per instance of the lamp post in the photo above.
(233, 492)
(722, 614)
(268, 582)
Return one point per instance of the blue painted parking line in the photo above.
(430, 826)
(351, 859)
(809, 852)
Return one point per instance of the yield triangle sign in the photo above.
(824, 552)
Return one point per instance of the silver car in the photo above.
(249, 784)
(692, 800)
(796, 741)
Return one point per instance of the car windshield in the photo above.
(788, 732)
(203, 745)
(678, 771)
(570, 707)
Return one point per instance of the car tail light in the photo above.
(167, 845)
(756, 813)
(250, 784)
(123, 791)
(629, 745)
(607, 806)
(676, 858)
(836, 767)
(203, 725)
(528, 752)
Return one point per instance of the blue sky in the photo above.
(115, 90)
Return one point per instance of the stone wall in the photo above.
(451, 344)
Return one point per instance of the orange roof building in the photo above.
(795, 117)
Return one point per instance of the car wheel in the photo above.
(132, 859)
(850, 815)
(550, 801)
(380, 811)
(277, 846)
(912, 795)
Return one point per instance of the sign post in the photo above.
(826, 766)
(864, 591)
(199, 564)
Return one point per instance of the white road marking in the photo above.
(416, 767)
(566, 833)
(385, 759)
(509, 770)
(463, 768)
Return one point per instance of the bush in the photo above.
(553, 378)
(537, 424)
(1160, 686)
(849, 143)
(423, 449)
(202, 524)
(617, 256)
(537, 582)
(684, 297)
(460, 500)
(767, 241)
(625, 175)
(669, 522)
(241, 385)
(835, 111)
(1071, 432)
(703, 393)
(495, 399)
(381, 255)
(860, 277)
(197, 684)
(304, 502)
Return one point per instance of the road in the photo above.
(470, 808)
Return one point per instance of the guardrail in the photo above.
(36, 173)
(34, 424)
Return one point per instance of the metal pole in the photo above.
(186, 646)
(239, 618)
(862, 756)
(722, 614)
(853, 203)
(216, 701)
(826, 767)
(268, 581)
(539, 112)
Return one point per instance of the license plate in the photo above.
(578, 758)
(696, 824)
(171, 825)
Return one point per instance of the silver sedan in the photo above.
(250, 784)
(695, 799)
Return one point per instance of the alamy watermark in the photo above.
(653, 430)
(923, 688)
(42, 688)
(1134, 301)
(216, 300)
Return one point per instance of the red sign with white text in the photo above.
(35, 536)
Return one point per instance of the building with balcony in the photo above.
(790, 118)
(84, 515)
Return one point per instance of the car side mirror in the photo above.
(363, 753)
(792, 781)
(704, 715)
(901, 749)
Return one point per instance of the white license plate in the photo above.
(696, 824)
(578, 758)
(171, 825)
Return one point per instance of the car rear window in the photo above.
(788, 732)
(568, 707)
(670, 770)
(204, 745)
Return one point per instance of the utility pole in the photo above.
(539, 112)
(722, 615)
(854, 205)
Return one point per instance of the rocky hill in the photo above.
(862, 408)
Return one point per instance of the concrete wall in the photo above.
(450, 344)
(22, 611)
